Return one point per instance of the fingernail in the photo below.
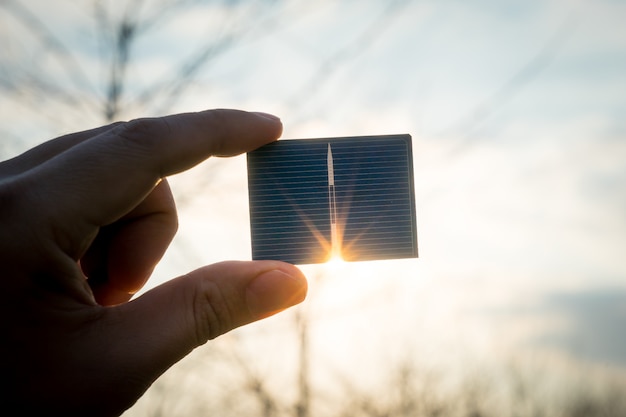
(274, 291)
(268, 116)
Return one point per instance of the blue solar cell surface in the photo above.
(291, 202)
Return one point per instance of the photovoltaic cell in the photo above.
(312, 198)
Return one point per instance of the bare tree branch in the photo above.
(53, 44)
(520, 80)
(165, 92)
(340, 58)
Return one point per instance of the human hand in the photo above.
(84, 220)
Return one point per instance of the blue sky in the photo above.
(516, 115)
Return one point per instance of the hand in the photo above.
(83, 221)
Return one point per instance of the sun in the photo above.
(335, 263)
(335, 259)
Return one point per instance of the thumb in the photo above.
(166, 323)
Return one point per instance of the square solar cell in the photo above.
(353, 197)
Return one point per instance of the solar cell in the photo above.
(312, 199)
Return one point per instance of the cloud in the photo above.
(594, 323)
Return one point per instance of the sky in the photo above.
(516, 110)
(516, 115)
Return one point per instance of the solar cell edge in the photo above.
(265, 161)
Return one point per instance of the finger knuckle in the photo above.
(221, 126)
(138, 130)
(143, 136)
(211, 313)
(17, 197)
(23, 229)
(10, 206)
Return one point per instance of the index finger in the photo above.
(99, 180)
